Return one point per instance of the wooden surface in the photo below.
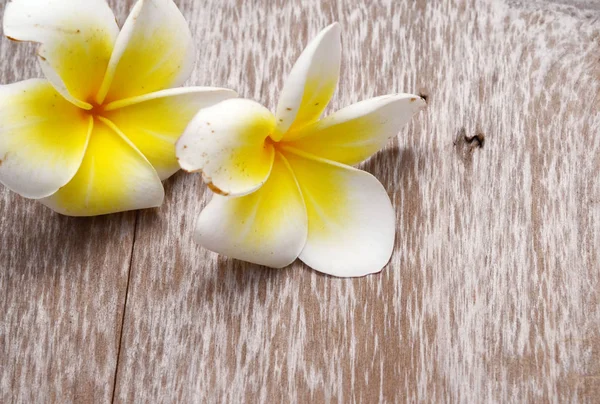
(493, 291)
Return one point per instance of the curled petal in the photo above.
(311, 83)
(227, 142)
(76, 38)
(154, 51)
(42, 138)
(267, 227)
(358, 131)
(113, 177)
(155, 121)
(351, 222)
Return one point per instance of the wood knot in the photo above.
(478, 139)
(465, 145)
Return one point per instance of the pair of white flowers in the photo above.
(101, 132)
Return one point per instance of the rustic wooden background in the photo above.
(492, 294)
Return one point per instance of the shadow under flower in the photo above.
(40, 241)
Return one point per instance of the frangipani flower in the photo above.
(98, 135)
(284, 185)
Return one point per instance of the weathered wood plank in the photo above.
(62, 289)
(63, 285)
(493, 291)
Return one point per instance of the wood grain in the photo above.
(493, 291)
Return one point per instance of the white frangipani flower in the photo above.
(98, 135)
(284, 185)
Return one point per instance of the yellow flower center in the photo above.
(278, 141)
(97, 109)
(269, 141)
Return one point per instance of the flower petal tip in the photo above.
(334, 28)
(332, 32)
(416, 101)
(420, 102)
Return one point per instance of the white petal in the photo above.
(42, 138)
(154, 122)
(312, 82)
(351, 222)
(154, 51)
(76, 38)
(267, 227)
(113, 177)
(355, 133)
(227, 142)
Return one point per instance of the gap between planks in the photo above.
(135, 223)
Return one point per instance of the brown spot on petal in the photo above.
(13, 39)
(191, 171)
(413, 99)
(216, 189)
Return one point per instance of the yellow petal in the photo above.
(351, 222)
(76, 38)
(42, 138)
(267, 227)
(311, 83)
(154, 52)
(355, 133)
(155, 121)
(113, 177)
(227, 143)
